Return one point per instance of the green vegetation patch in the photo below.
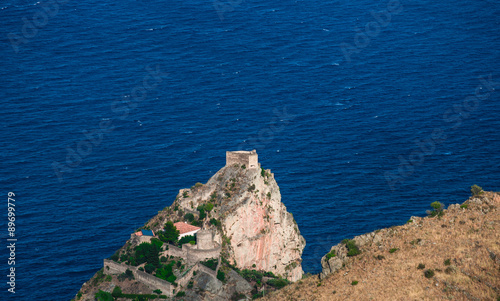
(278, 283)
(210, 263)
(331, 254)
(476, 190)
(352, 248)
(429, 273)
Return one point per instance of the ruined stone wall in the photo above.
(184, 279)
(207, 270)
(111, 267)
(194, 255)
(175, 251)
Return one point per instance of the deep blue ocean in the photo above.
(366, 111)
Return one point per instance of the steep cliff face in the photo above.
(256, 230)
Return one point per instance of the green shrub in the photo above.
(429, 273)
(147, 252)
(221, 275)
(115, 257)
(421, 266)
(331, 254)
(243, 166)
(380, 257)
(108, 278)
(278, 283)
(127, 275)
(180, 294)
(163, 259)
(190, 284)
(186, 239)
(354, 282)
(215, 222)
(189, 217)
(149, 268)
(78, 296)
(464, 206)
(211, 263)
(437, 209)
(185, 194)
(202, 213)
(251, 188)
(258, 295)
(171, 278)
(103, 296)
(141, 269)
(269, 195)
(165, 271)
(198, 184)
(251, 275)
(157, 292)
(353, 250)
(447, 262)
(208, 207)
(476, 190)
(262, 172)
(117, 292)
(393, 250)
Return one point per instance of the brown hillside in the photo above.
(468, 237)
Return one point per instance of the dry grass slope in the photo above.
(468, 237)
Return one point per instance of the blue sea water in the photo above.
(150, 95)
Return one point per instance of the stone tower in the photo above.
(204, 240)
(248, 158)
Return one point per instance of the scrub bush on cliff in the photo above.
(476, 190)
(352, 248)
(437, 209)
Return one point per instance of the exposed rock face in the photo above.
(256, 228)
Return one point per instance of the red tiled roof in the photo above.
(185, 228)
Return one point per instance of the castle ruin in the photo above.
(248, 158)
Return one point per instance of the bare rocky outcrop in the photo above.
(256, 230)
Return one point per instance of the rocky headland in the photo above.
(257, 243)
